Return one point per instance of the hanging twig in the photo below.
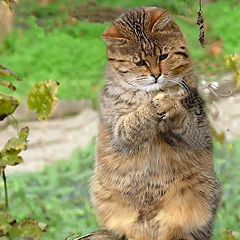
(5, 188)
(200, 22)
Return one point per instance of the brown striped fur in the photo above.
(154, 176)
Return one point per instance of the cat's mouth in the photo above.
(164, 82)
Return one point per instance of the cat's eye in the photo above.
(162, 57)
(141, 63)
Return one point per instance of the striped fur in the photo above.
(154, 176)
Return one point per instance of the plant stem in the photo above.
(5, 189)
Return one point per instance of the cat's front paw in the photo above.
(165, 105)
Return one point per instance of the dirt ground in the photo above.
(54, 139)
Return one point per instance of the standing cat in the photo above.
(154, 176)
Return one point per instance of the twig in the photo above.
(5, 188)
(200, 22)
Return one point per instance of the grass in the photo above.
(58, 196)
(73, 53)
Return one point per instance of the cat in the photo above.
(154, 177)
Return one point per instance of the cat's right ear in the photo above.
(113, 37)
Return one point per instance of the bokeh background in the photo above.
(60, 40)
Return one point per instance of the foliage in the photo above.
(57, 196)
(44, 94)
(42, 98)
(9, 154)
(228, 170)
(233, 62)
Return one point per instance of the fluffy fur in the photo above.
(154, 176)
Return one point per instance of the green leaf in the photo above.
(6, 220)
(4, 71)
(28, 228)
(8, 84)
(42, 98)
(8, 104)
(233, 62)
(10, 153)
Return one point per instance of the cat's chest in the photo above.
(148, 173)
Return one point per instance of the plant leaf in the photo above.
(220, 137)
(230, 235)
(8, 104)
(28, 228)
(5, 220)
(8, 84)
(42, 98)
(10, 153)
(233, 62)
(4, 71)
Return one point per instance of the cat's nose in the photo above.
(156, 75)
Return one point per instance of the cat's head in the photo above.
(146, 50)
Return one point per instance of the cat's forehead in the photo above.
(137, 26)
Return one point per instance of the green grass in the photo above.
(58, 196)
(75, 56)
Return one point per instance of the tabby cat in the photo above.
(154, 176)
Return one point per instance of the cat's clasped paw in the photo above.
(165, 105)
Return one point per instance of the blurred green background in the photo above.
(60, 39)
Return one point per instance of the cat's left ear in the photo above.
(112, 36)
(159, 19)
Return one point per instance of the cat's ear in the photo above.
(113, 37)
(159, 19)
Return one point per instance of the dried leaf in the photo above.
(42, 98)
(7, 84)
(231, 235)
(8, 104)
(220, 137)
(200, 22)
(4, 71)
(216, 48)
(28, 228)
(10, 153)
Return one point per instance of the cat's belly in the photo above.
(177, 212)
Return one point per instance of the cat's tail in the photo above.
(103, 235)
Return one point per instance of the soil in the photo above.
(53, 139)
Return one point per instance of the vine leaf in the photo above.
(8, 105)
(10, 153)
(42, 98)
(28, 228)
(4, 71)
(5, 221)
(233, 62)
